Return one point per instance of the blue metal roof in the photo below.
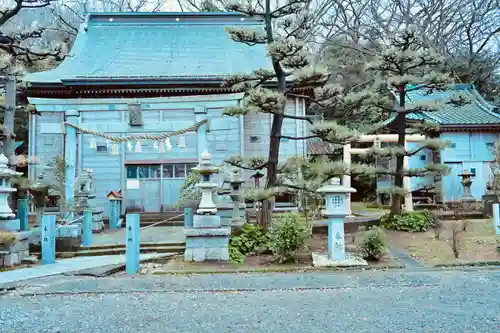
(149, 46)
(476, 112)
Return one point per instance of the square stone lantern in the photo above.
(337, 209)
(467, 179)
(8, 221)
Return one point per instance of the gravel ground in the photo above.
(396, 301)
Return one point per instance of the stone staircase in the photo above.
(148, 219)
(116, 249)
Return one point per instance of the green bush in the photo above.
(235, 255)
(252, 240)
(373, 244)
(408, 221)
(287, 236)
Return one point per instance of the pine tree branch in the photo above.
(308, 119)
(298, 137)
(291, 7)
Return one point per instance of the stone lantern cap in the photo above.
(466, 174)
(235, 177)
(5, 171)
(335, 187)
(205, 167)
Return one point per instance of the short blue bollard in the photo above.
(132, 241)
(48, 239)
(87, 228)
(188, 217)
(22, 213)
(496, 218)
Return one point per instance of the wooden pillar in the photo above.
(9, 116)
(346, 179)
(201, 134)
(70, 153)
(407, 184)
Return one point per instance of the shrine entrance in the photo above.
(153, 188)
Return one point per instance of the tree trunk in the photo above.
(400, 122)
(8, 145)
(277, 123)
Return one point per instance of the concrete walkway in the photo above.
(65, 266)
(149, 235)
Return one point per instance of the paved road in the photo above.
(395, 301)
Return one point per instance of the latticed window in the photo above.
(135, 115)
(337, 201)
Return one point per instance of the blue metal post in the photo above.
(114, 213)
(87, 228)
(133, 241)
(22, 213)
(48, 239)
(496, 218)
(188, 217)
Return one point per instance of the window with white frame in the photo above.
(157, 171)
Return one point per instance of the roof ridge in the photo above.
(177, 17)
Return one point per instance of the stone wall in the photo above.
(14, 254)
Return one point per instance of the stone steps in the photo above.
(117, 249)
(121, 250)
(143, 245)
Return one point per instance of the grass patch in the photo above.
(478, 244)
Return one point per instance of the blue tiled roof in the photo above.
(477, 112)
(158, 46)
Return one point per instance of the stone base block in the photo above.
(13, 254)
(68, 244)
(206, 254)
(207, 244)
(10, 225)
(206, 221)
(208, 232)
(67, 231)
(35, 235)
(97, 226)
(225, 221)
(322, 260)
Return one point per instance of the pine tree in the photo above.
(266, 90)
(404, 66)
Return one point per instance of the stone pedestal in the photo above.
(204, 244)
(14, 254)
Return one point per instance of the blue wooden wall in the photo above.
(227, 136)
(467, 151)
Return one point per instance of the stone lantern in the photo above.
(467, 183)
(207, 238)
(336, 210)
(8, 219)
(207, 186)
(235, 181)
